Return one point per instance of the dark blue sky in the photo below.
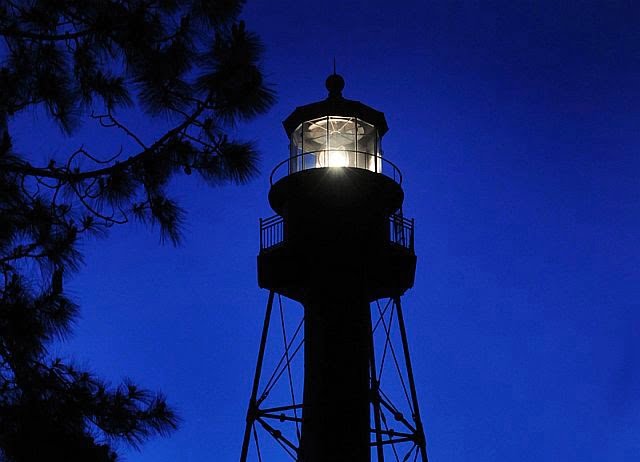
(516, 127)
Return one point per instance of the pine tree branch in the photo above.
(113, 122)
(65, 174)
(21, 34)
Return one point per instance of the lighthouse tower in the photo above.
(338, 243)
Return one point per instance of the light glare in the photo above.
(338, 159)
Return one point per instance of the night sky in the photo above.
(516, 127)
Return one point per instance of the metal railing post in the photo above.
(412, 233)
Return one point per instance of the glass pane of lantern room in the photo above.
(314, 142)
(295, 146)
(368, 146)
(342, 142)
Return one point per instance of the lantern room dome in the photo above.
(335, 105)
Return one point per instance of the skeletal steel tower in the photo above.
(338, 245)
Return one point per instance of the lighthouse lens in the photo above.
(335, 141)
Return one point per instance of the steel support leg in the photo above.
(251, 412)
(375, 396)
(422, 444)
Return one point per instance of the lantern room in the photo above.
(335, 132)
(334, 141)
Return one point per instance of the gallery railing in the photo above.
(336, 158)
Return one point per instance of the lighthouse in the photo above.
(338, 243)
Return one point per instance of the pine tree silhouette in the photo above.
(187, 62)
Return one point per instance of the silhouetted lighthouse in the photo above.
(338, 243)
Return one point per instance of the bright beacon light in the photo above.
(338, 159)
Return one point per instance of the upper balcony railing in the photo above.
(272, 231)
(335, 159)
(401, 231)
